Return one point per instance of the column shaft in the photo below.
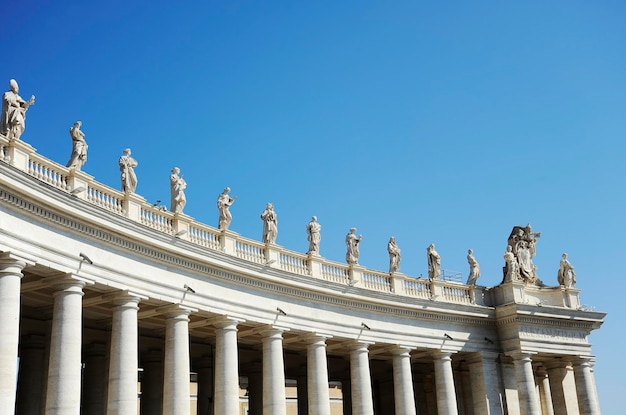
(31, 376)
(176, 392)
(563, 389)
(444, 384)
(274, 398)
(317, 377)
(528, 400)
(226, 368)
(404, 396)
(65, 369)
(586, 387)
(485, 385)
(10, 281)
(360, 380)
(123, 357)
(93, 401)
(545, 396)
(205, 385)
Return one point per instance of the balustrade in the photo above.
(335, 273)
(48, 171)
(156, 218)
(417, 287)
(250, 251)
(377, 281)
(203, 235)
(294, 262)
(105, 197)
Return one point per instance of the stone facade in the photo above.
(115, 306)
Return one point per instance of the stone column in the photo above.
(444, 383)
(65, 368)
(226, 367)
(123, 357)
(563, 388)
(317, 375)
(10, 281)
(543, 385)
(31, 375)
(360, 379)
(176, 392)
(152, 383)
(274, 398)
(403, 382)
(485, 384)
(586, 386)
(205, 385)
(527, 395)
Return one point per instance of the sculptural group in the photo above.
(518, 258)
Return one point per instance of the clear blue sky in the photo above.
(446, 123)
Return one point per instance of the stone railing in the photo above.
(135, 208)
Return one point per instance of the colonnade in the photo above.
(561, 387)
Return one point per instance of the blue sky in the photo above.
(447, 123)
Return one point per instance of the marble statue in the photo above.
(127, 169)
(177, 190)
(434, 262)
(511, 268)
(474, 268)
(352, 245)
(14, 110)
(394, 255)
(224, 201)
(270, 224)
(566, 276)
(79, 147)
(313, 230)
(522, 241)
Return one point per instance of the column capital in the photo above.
(11, 263)
(316, 338)
(227, 322)
(359, 345)
(401, 349)
(520, 356)
(178, 311)
(442, 354)
(588, 361)
(272, 331)
(127, 298)
(557, 363)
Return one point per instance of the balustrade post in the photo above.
(436, 289)
(272, 255)
(228, 241)
(571, 297)
(19, 153)
(355, 274)
(77, 183)
(132, 206)
(180, 226)
(397, 283)
(315, 266)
